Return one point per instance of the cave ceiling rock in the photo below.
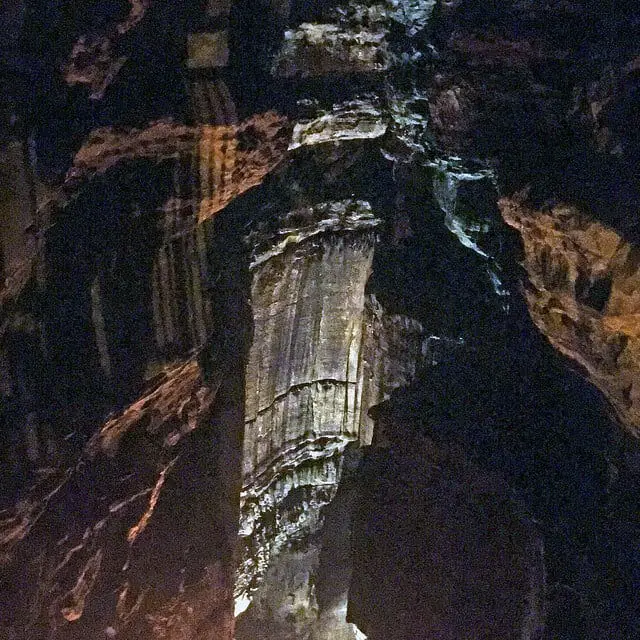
(232, 158)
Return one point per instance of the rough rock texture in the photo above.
(230, 159)
(97, 544)
(19, 241)
(322, 355)
(356, 120)
(231, 230)
(583, 293)
(317, 49)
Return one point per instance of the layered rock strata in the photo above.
(322, 355)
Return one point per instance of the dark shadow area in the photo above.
(439, 548)
(558, 82)
(107, 238)
(516, 409)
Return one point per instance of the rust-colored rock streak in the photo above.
(173, 409)
(584, 295)
(68, 565)
(232, 158)
(108, 146)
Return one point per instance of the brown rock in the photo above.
(583, 293)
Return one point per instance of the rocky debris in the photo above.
(414, 15)
(583, 293)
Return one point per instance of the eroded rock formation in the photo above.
(266, 338)
(322, 355)
(583, 295)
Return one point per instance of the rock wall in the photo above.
(323, 353)
(232, 229)
(582, 293)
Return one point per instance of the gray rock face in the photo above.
(317, 49)
(308, 306)
(356, 120)
(323, 353)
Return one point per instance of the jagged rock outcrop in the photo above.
(93, 60)
(357, 120)
(86, 544)
(317, 49)
(229, 159)
(583, 293)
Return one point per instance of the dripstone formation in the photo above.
(319, 320)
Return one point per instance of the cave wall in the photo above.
(229, 231)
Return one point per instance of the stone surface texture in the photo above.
(319, 320)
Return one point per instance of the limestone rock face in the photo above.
(309, 305)
(322, 355)
(583, 292)
(318, 49)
